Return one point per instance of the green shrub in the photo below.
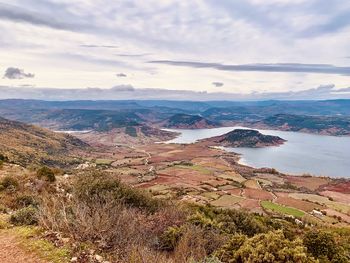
(230, 221)
(26, 200)
(3, 158)
(169, 239)
(227, 252)
(97, 185)
(322, 245)
(9, 183)
(25, 216)
(46, 173)
(271, 247)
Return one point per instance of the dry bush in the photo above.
(109, 214)
(105, 222)
(196, 244)
(146, 255)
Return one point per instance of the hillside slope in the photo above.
(334, 125)
(186, 121)
(27, 144)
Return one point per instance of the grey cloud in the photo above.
(133, 55)
(125, 92)
(217, 84)
(98, 46)
(16, 73)
(121, 75)
(123, 88)
(277, 67)
(17, 14)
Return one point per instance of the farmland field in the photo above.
(281, 209)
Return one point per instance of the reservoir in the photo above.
(302, 153)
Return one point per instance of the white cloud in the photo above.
(78, 43)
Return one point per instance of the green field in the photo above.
(282, 209)
(197, 168)
(103, 161)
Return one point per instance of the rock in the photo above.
(74, 259)
(99, 258)
(65, 240)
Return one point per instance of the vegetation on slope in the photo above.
(26, 144)
(334, 125)
(123, 224)
(186, 121)
(246, 138)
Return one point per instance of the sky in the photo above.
(198, 49)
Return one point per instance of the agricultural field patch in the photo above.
(270, 177)
(341, 207)
(227, 201)
(211, 195)
(253, 184)
(103, 161)
(257, 194)
(299, 204)
(282, 209)
(336, 196)
(312, 183)
(230, 175)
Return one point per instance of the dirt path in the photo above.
(11, 251)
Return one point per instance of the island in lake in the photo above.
(245, 138)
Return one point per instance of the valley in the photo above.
(150, 164)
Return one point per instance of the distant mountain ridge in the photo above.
(186, 121)
(321, 117)
(326, 125)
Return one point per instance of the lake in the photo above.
(302, 153)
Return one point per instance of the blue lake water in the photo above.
(302, 153)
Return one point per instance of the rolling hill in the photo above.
(186, 121)
(246, 138)
(27, 144)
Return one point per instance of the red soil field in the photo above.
(257, 194)
(299, 204)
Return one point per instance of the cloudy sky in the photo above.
(203, 46)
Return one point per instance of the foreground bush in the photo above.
(9, 183)
(95, 185)
(323, 246)
(271, 247)
(46, 173)
(25, 216)
(108, 214)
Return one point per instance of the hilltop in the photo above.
(246, 138)
(186, 121)
(27, 144)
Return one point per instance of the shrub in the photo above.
(3, 158)
(9, 183)
(197, 243)
(46, 173)
(25, 200)
(25, 216)
(322, 245)
(229, 221)
(268, 247)
(100, 185)
(169, 239)
(227, 252)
